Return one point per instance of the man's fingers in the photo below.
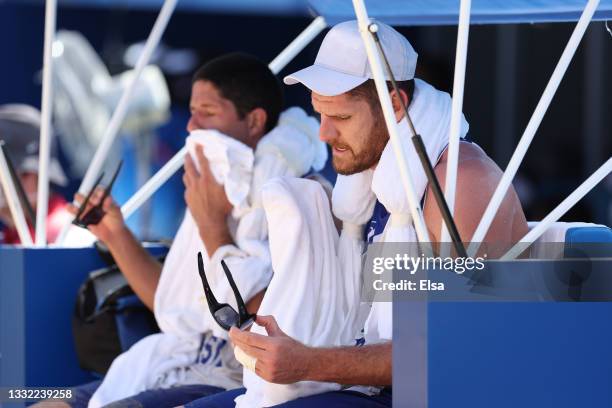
(269, 323)
(72, 209)
(203, 162)
(189, 166)
(253, 351)
(96, 196)
(244, 338)
(109, 204)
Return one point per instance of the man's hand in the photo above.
(280, 359)
(207, 202)
(111, 224)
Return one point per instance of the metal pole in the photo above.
(463, 31)
(122, 107)
(175, 163)
(532, 126)
(13, 201)
(385, 100)
(42, 199)
(297, 45)
(559, 211)
(154, 183)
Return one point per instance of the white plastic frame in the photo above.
(12, 199)
(387, 108)
(42, 198)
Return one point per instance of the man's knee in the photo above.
(50, 404)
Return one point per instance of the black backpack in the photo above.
(108, 318)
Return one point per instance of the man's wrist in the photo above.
(118, 238)
(312, 364)
(214, 237)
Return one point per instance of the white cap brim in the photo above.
(324, 81)
(56, 174)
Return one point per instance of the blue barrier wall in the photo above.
(38, 290)
(502, 354)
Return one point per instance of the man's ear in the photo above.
(397, 106)
(256, 122)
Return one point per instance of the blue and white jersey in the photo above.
(377, 223)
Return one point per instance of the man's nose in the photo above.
(327, 131)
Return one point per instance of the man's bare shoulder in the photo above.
(478, 172)
(477, 179)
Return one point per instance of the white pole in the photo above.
(463, 31)
(12, 199)
(122, 107)
(559, 211)
(297, 45)
(385, 100)
(532, 126)
(175, 163)
(42, 199)
(154, 183)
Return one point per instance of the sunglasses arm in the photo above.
(210, 297)
(108, 189)
(84, 204)
(242, 310)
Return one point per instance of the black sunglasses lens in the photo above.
(227, 317)
(93, 216)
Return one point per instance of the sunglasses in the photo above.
(95, 214)
(224, 314)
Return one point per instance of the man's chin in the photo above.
(346, 169)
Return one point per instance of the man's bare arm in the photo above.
(140, 269)
(369, 364)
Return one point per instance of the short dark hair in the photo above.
(245, 81)
(367, 91)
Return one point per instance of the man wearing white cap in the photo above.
(352, 123)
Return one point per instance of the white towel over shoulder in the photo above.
(430, 111)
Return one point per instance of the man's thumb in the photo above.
(269, 323)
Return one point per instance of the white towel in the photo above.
(168, 359)
(307, 294)
(231, 163)
(430, 111)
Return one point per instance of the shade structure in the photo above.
(275, 7)
(446, 12)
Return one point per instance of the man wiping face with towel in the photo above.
(239, 138)
(352, 123)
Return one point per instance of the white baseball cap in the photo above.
(342, 62)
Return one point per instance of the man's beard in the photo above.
(369, 156)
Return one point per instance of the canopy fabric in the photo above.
(446, 12)
(280, 7)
